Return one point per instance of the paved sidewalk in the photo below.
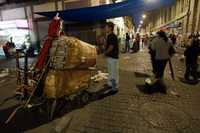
(131, 111)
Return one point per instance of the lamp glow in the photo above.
(144, 16)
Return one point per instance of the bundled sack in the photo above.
(69, 53)
(63, 83)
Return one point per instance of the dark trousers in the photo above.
(6, 52)
(160, 68)
(127, 46)
(137, 45)
(153, 62)
(191, 70)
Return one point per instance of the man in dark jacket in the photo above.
(191, 54)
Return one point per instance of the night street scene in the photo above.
(99, 66)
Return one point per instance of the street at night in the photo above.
(130, 111)
(100, 66)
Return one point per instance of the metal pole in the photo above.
(26, 69)
(18, 69)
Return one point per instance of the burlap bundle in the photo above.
(63, 83)
(69, 53)
(69, 73)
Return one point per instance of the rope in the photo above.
(32, 93)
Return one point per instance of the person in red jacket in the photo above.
(54, 31)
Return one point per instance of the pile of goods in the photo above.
(100, 76)
(70, 60)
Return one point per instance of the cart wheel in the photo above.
(85, 97)
(53, 109)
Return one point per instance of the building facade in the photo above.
(183, 17)
(38, 25)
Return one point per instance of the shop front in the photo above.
(17, 30)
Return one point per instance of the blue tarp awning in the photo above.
(134, 8)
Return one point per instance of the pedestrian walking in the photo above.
(137, 42)
(112, 55)
(191, 54)
(152, 53)
(161, 48)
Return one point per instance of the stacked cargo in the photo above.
(70, 60)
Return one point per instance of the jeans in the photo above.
(113, 71)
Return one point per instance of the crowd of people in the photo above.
(161, 49)
(132, 43)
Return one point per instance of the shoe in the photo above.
(110, 92)
(106, 86)
(113, 92)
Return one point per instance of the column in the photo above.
(186, 18)
(197, 26)
(63, 4)
(191, 16)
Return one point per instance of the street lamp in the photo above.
(144, 16)
(141, 22)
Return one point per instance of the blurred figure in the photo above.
(152, 53)
(100, 41)
(133, 43)
(160, 53)
(197, 35)
(191, 54)
(146, 39)
(173, 38)
(11, 43)
(112, 56)
(8, 48)
(127, 47)
(137, 42)
(142, 44)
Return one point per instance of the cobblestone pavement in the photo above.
(131, 111)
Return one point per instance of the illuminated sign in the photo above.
(18, 24)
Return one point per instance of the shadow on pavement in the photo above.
(151, 89)
(190, 82)
(27, 119)
(144, 89)
(141, 75)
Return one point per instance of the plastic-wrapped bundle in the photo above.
(70, 53)
(68, 72)
(63, 83)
